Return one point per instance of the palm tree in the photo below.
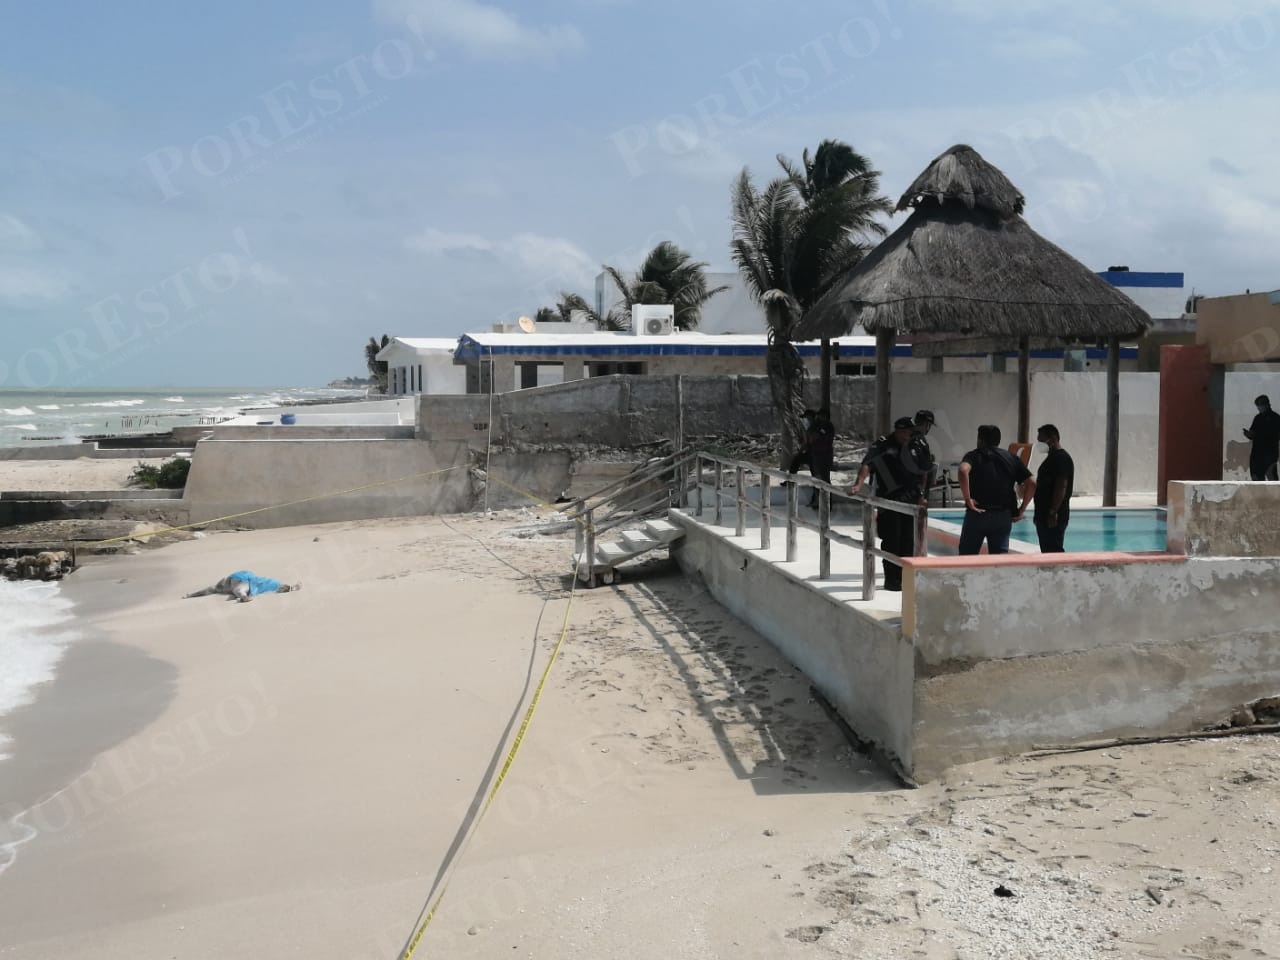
(547, 315)
(614, 319)
(668, 275)
(377, 368)
(792, 241)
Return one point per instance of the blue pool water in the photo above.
(1092, 529)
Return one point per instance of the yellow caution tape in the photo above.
(407, 953)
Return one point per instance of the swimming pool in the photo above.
(1091, 529)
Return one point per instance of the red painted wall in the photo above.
(1190, 426)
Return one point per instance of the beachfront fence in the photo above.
(748, 476)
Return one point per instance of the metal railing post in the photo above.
(766, 494)
(719, 479)
(697, 480)
(590, 555)
(824, 529)
(868, 558)
(740, 495)
(793, 499)
(920, 533)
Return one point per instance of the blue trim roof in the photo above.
(1138, 278)
(469, 349)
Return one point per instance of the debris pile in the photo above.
(45, 565)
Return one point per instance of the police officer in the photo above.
(923, 424)
(901, 468)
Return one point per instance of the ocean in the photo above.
(36, 622)
(43, 417)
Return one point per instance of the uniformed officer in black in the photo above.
(901, 467)
(923, 424)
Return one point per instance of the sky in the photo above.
(242, 193)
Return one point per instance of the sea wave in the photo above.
(114, 403)
(175, 399)
(19, 411)
(22, 426)
(48, 406)
(29, 648)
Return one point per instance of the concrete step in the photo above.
(637, 541)
(611, 553)
(664, 531)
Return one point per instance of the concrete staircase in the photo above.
(635, 542)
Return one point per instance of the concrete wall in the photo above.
(863, 666)
(308, 431)
(1241, 387)
(235, 476)
(72, 451)
(626, 412)
(996, 655)
(1074, 402)
(1240, 329)
(1018, 653)
(1228, 519)
(390, 410)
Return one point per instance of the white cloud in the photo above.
(482, 31)
(434, 242)
(522, 257)
(16, 236)
(549, 256)
(23, 287)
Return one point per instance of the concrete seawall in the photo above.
(993, 655)
(302, 481)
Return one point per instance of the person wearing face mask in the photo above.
(1055, 481)
(1265, 434)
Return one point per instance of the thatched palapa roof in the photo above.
(966, 264)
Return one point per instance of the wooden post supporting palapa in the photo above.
(1111, 462)
(884, 380)
(1024, 390)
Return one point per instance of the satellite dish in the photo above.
(528, 325)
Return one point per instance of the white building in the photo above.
(422, 365)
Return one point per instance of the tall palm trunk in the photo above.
(786, 384)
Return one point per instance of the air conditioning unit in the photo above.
(653, 320)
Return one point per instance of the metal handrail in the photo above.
(619, 511)
(644, 473)
(870, 552)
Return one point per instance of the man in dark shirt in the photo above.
(1265, 434)
(988, 476)
(901, 473)
(820, 448)
(923, 424)
(1055, 481)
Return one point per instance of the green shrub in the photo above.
(170, 475)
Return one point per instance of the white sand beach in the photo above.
(83, 473)
(287, 777)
